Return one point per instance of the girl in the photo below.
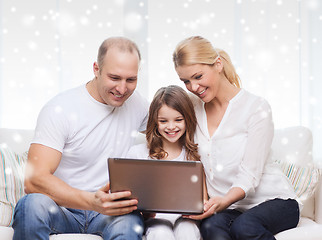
(170, 136)
(249, 197)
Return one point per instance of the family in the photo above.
(220, 124)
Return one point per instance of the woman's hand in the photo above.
(217, 203)
(213, 205)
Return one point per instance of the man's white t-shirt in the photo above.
(87, 132)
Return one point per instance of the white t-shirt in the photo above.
(87, 132)
(141, 151)
(238, 153)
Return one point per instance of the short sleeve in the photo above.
(52, 127)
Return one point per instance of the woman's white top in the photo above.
(238, 152)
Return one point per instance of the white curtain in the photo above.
(49, 46)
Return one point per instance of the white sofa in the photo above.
(293, 143)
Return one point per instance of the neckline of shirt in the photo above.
(108, 107)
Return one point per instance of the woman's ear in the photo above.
(219, 65)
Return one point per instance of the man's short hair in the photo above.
(122, 43)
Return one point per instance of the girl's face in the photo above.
(200, 79)
(171, 124)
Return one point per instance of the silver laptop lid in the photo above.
(160, 185)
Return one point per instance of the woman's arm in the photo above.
(260, 132)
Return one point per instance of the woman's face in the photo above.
(200, 79)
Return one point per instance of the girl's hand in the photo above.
(146, 215)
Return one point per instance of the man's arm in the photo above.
(42, 163)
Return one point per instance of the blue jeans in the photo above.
(37, 216)
(261, 222)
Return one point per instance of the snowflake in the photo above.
(28, 20)
(138, 229)
(219, 167)
(17, 138)
(8, 171)
(32, 45)
(194, 178)
(279, 2)
(58, 109)
(119, 2)
(133, 22)
(284, 141)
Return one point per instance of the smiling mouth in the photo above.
(200, 93)
(118, 95)
(172, 133)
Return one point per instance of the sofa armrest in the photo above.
(318, 202)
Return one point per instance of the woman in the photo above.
(248, 197)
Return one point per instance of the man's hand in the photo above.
(105, 202)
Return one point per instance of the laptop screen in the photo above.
(159, 185)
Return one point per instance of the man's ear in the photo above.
(96, 69)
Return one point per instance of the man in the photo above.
(67, 164)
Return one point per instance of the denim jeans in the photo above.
(261, 222)
(37, 216)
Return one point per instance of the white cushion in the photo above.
(6, 233)
(11, 187)
(306, 230)
(17, 139)
(293, 144)
(75, 237)
(292, 151)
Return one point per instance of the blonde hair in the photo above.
(198, 50)
(122, 43)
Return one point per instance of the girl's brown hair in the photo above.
(174, 97)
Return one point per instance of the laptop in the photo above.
(159, 185)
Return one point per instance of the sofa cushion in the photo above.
(306, 229)
(303, 178)
(75, 237)
(11, 185)
(292, 151)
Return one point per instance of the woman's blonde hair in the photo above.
(176, 98)
(198, 50)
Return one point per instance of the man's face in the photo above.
(117, 78)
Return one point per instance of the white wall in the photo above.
(49, 46)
